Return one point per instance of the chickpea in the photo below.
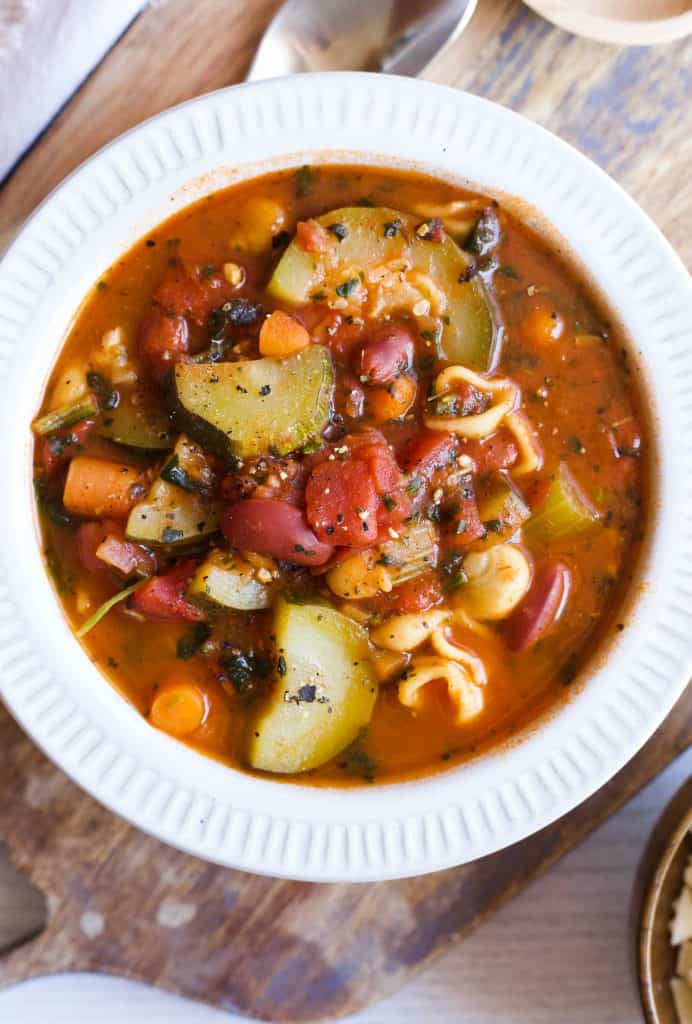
(258, 221)
(358, 577)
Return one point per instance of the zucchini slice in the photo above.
(138, 423)
(225, 580)
(174, 517)
(380, 257)
(256, 407)
(325, 695)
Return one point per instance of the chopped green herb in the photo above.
(414, 485)
(575, 445)
(306, 179)
(569, 670)
(346, 287)
(108, 397)
(507, 270)
(52, 507)
(190, 642)
(388, 502)
(170, 535)
(391, 228)
(319, 296)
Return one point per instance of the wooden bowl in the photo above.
(659, 881)
(625, 22)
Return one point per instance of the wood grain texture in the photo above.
(122, 903)
(119, 901)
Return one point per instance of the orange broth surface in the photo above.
(578, 392)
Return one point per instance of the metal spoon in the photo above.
(397, 36)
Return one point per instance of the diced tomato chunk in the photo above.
(55, 451)
(416, 595)
(496, 452)
(162, 598)
(163, 340)
(89, 538)
(342, 503)
(311, 236)
(272, 527)
(429, 451)
(192, 293)
(466, 525)
(357, 490)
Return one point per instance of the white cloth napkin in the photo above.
(47, 49)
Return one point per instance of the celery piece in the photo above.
(565, 511)
(414, 552)
(65, 416)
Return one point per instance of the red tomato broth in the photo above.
(571, 391)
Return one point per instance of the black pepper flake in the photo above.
(265, 390)
(339, 230)
(391, 228)
(345, 289)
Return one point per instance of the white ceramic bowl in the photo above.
(169, 790)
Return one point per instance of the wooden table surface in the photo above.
(628, 109)
(557, 954)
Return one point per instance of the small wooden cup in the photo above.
(658, 885)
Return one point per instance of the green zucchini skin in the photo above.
(140, 425)
(259, 407)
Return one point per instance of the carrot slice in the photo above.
(95, 487)
(179, 709)
(281, 335)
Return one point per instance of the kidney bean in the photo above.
(540, 608)
(388, 353)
